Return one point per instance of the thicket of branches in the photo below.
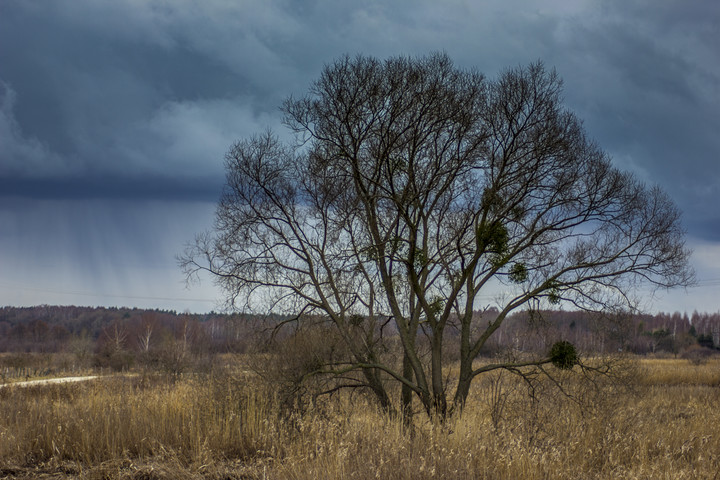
(413, 187)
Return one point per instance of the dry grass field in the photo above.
(224, 426)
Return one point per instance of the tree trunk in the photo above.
(375, 382)
(463, 388)
(407, 393)
(439, 400)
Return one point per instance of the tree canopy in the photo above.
(414, 187)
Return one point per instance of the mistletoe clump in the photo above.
(563, 355)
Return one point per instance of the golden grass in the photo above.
(220, 427)
(119, 418)
(658, 371)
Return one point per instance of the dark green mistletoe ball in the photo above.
(563, 355)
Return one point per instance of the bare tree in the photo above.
(145, 332)
(415, 186)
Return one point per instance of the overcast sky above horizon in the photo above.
(115, 116)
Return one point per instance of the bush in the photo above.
(292, 365)
(697, 355)
(117, 361)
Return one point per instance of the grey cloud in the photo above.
(22, 155)
(104, 100)
(107, 69)
(97, 92)
(645, 79)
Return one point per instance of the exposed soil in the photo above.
(47, 381)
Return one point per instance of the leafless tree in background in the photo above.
(415, 186)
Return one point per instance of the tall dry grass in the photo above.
(658, 431)
(231, 427)
(198, 420)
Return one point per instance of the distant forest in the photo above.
(53, 329)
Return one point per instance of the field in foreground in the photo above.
(225, 426)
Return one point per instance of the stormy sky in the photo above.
(115, 116)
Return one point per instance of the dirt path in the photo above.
(47, 381)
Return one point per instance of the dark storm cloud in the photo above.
(103, 101)
(646, 80)
(93, 89)
(101, 187)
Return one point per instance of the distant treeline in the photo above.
(599, 332)
(51, 329)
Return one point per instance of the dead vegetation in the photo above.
(232, 426)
